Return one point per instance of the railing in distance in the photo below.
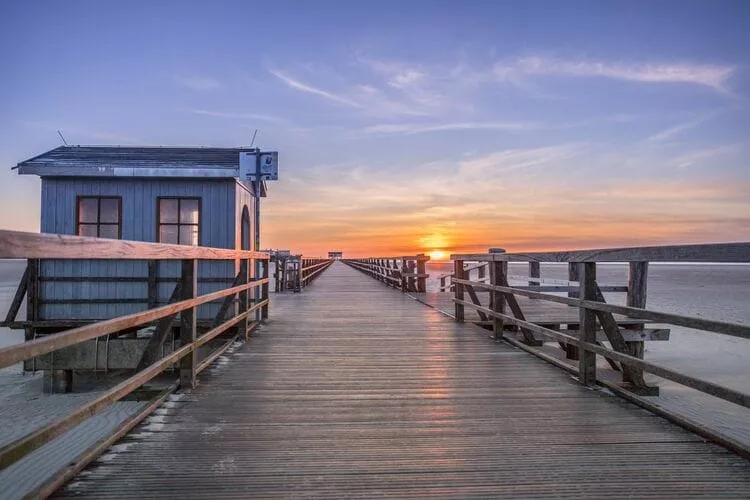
(21, 245)
(406, 273)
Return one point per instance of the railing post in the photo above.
(153, 286)
(587, 359)
(276, 276)
(264, 290)
(458, 273)
(636, 297)
(404, 283)
(188, 323)
(421, 269)
(243, 298)
(571, 351)
(535, 271)
(498, 276)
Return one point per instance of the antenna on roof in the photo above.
(61, 137)
(254, 134)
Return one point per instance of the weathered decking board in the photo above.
(355, 390)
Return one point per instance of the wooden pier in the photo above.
(355, 390)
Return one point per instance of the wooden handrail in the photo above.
(34, 246)
(405, 273)
(711, 252)
(23, 245)
(593, 309)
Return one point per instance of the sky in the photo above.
(409, 126)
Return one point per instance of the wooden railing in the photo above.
(586, 295)
(249, 311)
(408, 274)
(294, 272)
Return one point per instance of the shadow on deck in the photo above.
(356, 390)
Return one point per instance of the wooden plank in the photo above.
(711, 252)
(21, 245)
(587, 359)
(188, 323)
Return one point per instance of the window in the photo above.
(99, 216)
(179, 220)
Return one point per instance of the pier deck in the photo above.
(355, 390)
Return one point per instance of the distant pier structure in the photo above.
(183, 196)
(335, 255)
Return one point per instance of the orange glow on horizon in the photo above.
(438, 255)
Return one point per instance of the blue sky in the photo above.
(408, 125)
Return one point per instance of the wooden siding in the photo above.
(139, 220)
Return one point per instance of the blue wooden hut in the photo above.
(187, 196)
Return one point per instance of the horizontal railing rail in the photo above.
(406, 273)
(249, 311)
(312, 268)
(586, 294)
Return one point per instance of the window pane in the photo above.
(189, 235)
(109, 210)
(189, 211)
(168, 211)
(87, 230)
(168, 234)
(87, 209)
(110, 231)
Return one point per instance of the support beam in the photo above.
(587, 361)
(188, 324)
(458, 272)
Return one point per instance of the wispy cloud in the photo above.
(516, 159)
(304, 87)
(705, 156)
(421, 128)
(233, 115)
(196, 82)
(670, 132)
(708, 75)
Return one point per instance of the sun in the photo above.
(438, 255)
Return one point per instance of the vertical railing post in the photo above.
(243, 298)
(404, 283)
(264, 290)
(276, 284)
(412, 279)
(587, 291)
(153, 286)
(636, 297)
(498, 276)
(189, 322)
(535, 271)
(458, 273)
(421, 270)
(571, 351)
